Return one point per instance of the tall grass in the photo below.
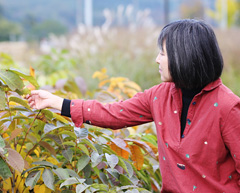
(128, 52)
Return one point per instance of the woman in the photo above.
(196, 116)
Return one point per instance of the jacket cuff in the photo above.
(66, 108)
(76, 111)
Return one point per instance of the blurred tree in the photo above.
(9, 30)
(233, 12)
(192, 9)
(1, 10)
(43, 29)
(36, 30)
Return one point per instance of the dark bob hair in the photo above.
(194, 57)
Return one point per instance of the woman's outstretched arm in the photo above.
(131, 112)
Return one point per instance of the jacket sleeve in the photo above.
(231, 135)
(117, 115)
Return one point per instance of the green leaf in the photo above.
(124, 166)
(99, 148)
(81, 132)
(96, 170)
(96, 158)
(113, 172)
(15, 160)
(6, 60)
(69, 143)
(49, 127)
(48, 179)
(103, 178)
(71, 181)
(82, 162)
(47, 113)
(129, 168)
(128, 187)
(12, 80)
(20, 117)
(89, 143)
(2, 143)
(70, 133)
(150, 138)
(71, 86)
(32, 178)
(101, 187)
(2, 99)
(59, 118)
(83, 148)
(5, 172)
(56, 138)
(124, 180)
(72, 173)
(33, 168)
(81, 187)
(142, 190)
(68, 154)
(18, 108)
(45, 163)
(101, 140)
(61, 173)
(19, 101)
(29, 78)
(106, 131)
(112, 160)
(24, 91)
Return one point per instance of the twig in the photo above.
(28, 131)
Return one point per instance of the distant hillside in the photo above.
(37, 18)
(65, 11)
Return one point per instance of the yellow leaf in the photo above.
(103, 83)
(7, 185)
(133, 85)
(20, 183)
(153, 147)
(101, 75)
(36, 152)
(121, 152)
(104, 70)
(32, 71)
(5, 136)
(52, 160)
(137, 156)
(41, 188)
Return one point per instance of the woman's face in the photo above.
(162, 60)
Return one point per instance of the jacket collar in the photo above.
(212, 85)
(209, 87)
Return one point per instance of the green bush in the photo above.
(44, 152)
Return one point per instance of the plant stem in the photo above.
(28, 131)
(6, 95)
(30, 151)
(13, 182)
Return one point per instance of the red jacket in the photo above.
(206, 158)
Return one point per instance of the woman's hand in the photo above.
(40, 99)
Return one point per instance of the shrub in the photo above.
(44, 152)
